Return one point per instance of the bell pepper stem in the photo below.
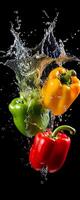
(66, 77)
(63, 127)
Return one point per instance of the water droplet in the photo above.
(74, 33)
(78, 30)
(1, 89)
(60, 118)
(3, 128)
(44, 173)
(31, 32)
(16, 12)
(45, 14)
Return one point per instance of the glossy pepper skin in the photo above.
(50, 149)
(18, 109)
(29, 116)
(37, 118)
(60, 90)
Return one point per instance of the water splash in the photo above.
(29, 63)
(25, 61)
(44, 174)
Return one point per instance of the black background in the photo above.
(14, 156)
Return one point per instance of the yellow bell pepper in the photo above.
(60, 90)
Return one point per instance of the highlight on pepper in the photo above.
(60, 90)
(50, 149)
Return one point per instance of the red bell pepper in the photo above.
(50, 149)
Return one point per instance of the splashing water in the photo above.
(44, 173)
(30, 63)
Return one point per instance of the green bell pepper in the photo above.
(18, 109)
(29, 116)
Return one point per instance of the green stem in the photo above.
(65, 78)
(63, 127)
